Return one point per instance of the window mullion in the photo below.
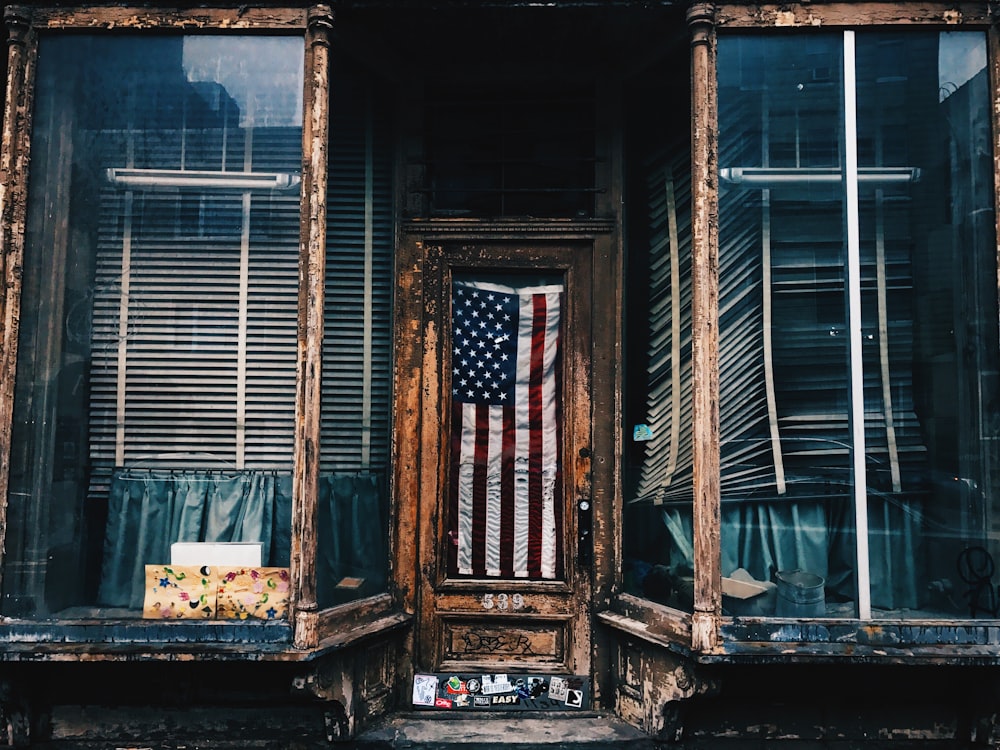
(123, 323)
(366, 387)
(853, 281)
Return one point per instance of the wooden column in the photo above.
(312, 266)
(13, 169)
(705, 326)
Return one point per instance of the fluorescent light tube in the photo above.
(775, 176)
(152, 179)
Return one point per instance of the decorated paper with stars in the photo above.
(180, 592)
(505, 510)
(258, 593)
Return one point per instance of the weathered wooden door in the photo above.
(505, 503)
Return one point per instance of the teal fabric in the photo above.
(353, 542)
(149, 509)
(763, 537)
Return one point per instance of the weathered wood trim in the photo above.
(333, 622)
(656, 619)
(404, 530)
(605, 359)
(472, 229)
(582, 283)
(641, 630)
(365, 630)
(606, 397)
(312, 276)
(191, 641)
(470, 601)
(846, 641)
(993, 50)
(407, 363)
(21, 51)
(705, 327)
(818, 15)
(432, 462)
(216, 20)
(459, 587)
(832, 641)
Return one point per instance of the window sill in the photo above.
(773, 640)
(650, 622)
(909, 642)
(177, 640)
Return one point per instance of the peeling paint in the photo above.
(784, 18)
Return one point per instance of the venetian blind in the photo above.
(357, 347)
(195, 307)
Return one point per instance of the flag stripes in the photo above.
(505, 515)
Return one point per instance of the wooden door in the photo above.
(505, 502)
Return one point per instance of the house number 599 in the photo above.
(503, 602)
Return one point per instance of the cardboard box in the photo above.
(180, 592)
(253, 592)
(217, 553)
(743, 595)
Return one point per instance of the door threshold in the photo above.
(523, 730)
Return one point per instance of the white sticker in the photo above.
(424, 689)
(557, 689)
(493, 684)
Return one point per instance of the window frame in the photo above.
(308, 630)
(705, 633)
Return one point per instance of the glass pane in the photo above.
(929, 323)
(353, 557)
(657, 536)
(927, 370)
(507, 154)
(785, 439)
(155, 391)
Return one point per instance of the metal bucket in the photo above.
(800, 594)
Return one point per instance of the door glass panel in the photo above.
(505, 506)
(858, 330)
(155, 390)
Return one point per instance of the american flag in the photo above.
(505, 511)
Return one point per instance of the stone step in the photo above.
(515, 730)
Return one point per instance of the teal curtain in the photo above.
(353, 539)
(763, 537)
(149, 509)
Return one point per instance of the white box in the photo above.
(217, 553)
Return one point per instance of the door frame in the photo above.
(554, 621)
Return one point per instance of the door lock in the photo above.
(585, 541)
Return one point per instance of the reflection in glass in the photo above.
(155, 390)
(353, 557)
(901, 384)
(658, 553)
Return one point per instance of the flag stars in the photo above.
(483, 345)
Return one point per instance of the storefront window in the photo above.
(155, 390)
(353, 502)
(860, 446)
(658, 547)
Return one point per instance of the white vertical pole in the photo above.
(853, 281)
(366, 388)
